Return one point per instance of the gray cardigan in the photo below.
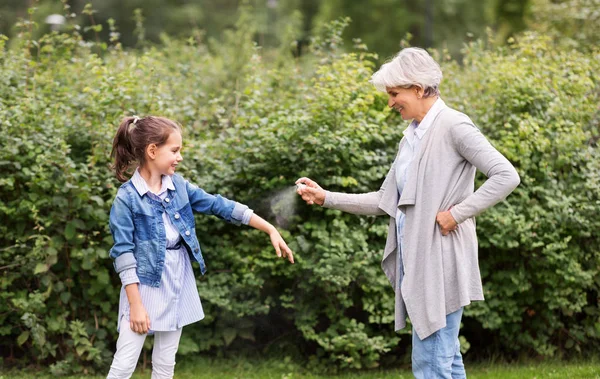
(441, 272)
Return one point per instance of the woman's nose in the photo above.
(390, 102)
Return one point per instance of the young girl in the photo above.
(153, 227)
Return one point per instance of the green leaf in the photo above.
(70, 231)
(65, 297)
(40, 267)
(247, 334)
(81, 349)
(98, 200)
(569, 344)
(229, 335)
(102, 276)
(187, 346)
(23, 337)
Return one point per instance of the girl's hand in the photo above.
(139, 321)
(278, 243)
(280, 246)
(311, 192)
(446, 222)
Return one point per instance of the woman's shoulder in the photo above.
(457, 125)
(452, 116)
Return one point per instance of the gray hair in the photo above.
(410, 67)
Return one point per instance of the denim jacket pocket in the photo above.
(144, 260)
(145, 226)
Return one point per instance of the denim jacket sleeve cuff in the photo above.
(129, 276)
(237, 216)
(124, 262)
(247, 216)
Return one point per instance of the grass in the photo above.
(204, 368)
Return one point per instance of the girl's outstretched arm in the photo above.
(279, 244)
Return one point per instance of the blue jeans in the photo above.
(438, 356)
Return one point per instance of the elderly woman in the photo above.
(430, 255)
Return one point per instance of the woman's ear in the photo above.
(420, 92)
(151, 150)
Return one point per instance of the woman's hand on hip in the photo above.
(311, 192)
(446, 222)
(138, 318)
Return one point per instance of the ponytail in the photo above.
(122, 150)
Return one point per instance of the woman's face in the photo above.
(404, 100)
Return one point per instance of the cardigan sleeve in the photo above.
(360, 204)
(502, 176)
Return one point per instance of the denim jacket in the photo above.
(138, 229)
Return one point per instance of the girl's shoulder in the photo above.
(127, 186)
(182, 184)
(178, 181)
(125, 189)
(123, 196)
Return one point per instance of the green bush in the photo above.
(251, 128)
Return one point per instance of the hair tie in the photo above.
(133, 124)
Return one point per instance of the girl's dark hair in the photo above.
(132, 138)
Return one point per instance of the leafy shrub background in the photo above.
(254, 121)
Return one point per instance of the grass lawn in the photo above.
(204, 368)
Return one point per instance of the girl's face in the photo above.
(404, 100)
(164, 159)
